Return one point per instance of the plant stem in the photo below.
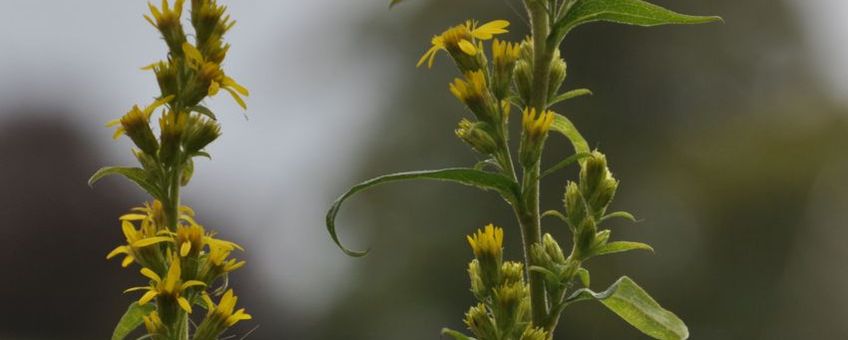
(172, 213)
(528, 209)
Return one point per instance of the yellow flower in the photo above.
(171, 287)
(505, 53)
(212, 72)
(536, 126)
(135, 111)
(219, 250)
(463, 36)
(470, 90)
(167, 16)
(224, 310)
(136, 241)
(488, 241)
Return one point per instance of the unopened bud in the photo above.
(534, 334)
(512, 272)
(597, 184)
(553, 249)
(557, 75)
(137, 127)
(477, 136)
(200, 132)
(478, 321)
(575, 206)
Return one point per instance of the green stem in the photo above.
(528, 209)
(172, 213)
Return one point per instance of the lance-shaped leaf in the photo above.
(471, 177)
(131, 320)
(620, 247)
(567, 129)
(630, 302)
(455, 334)
(137, 175)
(630, 12)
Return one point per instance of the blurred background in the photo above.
(729, 139)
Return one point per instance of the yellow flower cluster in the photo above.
(180, 259)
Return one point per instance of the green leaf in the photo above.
(131, 319)
(567, 129)
(455, 335)
(506, 187)
(565, 162)
(630, 302)
(630, 12)
(554, 213)
(620, 247)
(584, 277)
(204, 111)
(392, 3)
(570, 95)
(619, 214)
(137, 175)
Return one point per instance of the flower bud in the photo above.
(534, 334)
(575, 206)
(553, 250)
(504, 55)
(597, 184)
(523, 79)
(137, 127)
(534, 134)
(478, 321)
(172, 126)
(511, 303)
(478, 287)
(557, 75)
(477, 136)
(167, 21)
(199, 133)
(512, 272)
(487, 245)
(474, 93)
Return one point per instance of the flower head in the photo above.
(536, 126)
(171, 287)
(462, 38)
(225, 309)
(136, 114)
(487, 241)
(473, 91)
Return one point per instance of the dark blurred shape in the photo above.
(56, 232)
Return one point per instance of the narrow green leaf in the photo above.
(619, 214)
(554, 213)
(584, 277)
(131, 319)
(630, 302)
(137, 175)
(565, 163)
(506, 187)
(392, 3)
(570, 95)
(567, 129)
(630, 12)
(620, 247)
(204, 111)
(455, 335)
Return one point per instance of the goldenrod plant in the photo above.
(185, 266)
(525, 300)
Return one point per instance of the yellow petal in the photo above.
(184, 304)
(133, 289)
(185, 248)
(127, 261)
(192, 53)
(490, 29)
(151, 275)
(467, 47)
(173, 276)
(187, 210)
(132, 217)
(230, 82)
(191, 283)
(238, 316)
(147, 297)
(210, 306)
(213, 88)
(151, 241)
(116, 251)
(237, 98)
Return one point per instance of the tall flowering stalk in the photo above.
(525, 300)
(184, 264)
